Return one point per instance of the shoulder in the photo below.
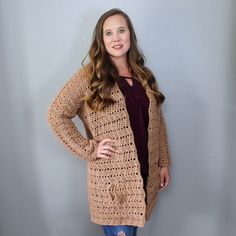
(78, 83)
(83, 74)
(81, 77)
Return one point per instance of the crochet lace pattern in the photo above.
(115, 186)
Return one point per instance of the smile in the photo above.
(118, 46)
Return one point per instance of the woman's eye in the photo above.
(108, 33)
(122, 30)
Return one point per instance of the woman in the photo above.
(119, 102)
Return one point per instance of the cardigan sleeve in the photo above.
(164, 146)
(60, 113)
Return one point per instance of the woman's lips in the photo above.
(118, 46)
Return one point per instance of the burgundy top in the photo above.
(137, 104)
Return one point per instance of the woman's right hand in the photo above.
(106, 151)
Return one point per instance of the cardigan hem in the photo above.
(120, 221)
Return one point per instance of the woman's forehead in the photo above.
(114, 22)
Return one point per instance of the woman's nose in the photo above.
(116, 37)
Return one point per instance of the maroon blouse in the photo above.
(137, 104)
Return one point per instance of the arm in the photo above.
(60, 113)
(164, 160)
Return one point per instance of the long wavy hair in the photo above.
(103, 73)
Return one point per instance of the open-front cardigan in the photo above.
(115, 186)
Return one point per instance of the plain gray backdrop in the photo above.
(189, 45)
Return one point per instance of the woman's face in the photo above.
(116, 37)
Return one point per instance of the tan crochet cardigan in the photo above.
(115, 186)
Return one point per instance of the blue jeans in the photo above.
(120, 230)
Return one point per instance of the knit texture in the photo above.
(115, 186)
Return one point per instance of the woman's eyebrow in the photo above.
(114, 28)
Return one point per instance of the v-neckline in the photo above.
(127, 77)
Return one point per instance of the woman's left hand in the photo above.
(164, 178)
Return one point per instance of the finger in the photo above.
(105, 156)
(164, 185)
(167, 179)
(110, 149)
(162, 181)
(104, 141)
(163, 188)
(109, 155)
(106, 152)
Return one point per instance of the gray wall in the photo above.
(189, 45)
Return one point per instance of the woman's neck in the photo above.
(122, 66)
